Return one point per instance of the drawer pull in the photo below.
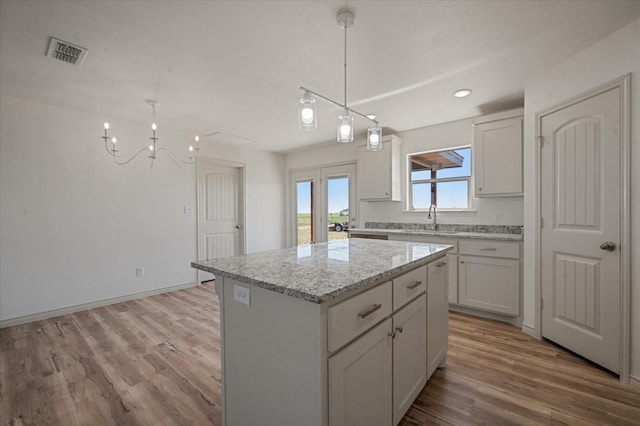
(369, 311)
(439, 264)
(414, 285)
(488, 248)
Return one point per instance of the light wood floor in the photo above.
(156, 361)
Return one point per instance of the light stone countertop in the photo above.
(321, 272)
(440, 234)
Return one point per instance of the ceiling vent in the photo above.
(66, 52)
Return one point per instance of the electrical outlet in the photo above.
(242, 295)
(140, 272)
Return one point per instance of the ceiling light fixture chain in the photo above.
(153, 150)
(307, 117)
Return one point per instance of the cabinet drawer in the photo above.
(354, 316)
(490, 248)
(407, 286)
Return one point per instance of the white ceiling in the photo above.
(236, 66)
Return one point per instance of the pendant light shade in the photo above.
(374, 139)
(345, 127)
(307, 113)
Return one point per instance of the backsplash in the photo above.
(492, 229)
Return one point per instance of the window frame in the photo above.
(411, 182)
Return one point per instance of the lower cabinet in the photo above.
(360, 388)
(490, 284)
(437, 314)
(375, 379)
(409, 352)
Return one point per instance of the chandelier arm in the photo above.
(122, 163)
(338, 104)
(175, 158)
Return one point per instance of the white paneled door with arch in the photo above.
(580, 235)
(219, 211)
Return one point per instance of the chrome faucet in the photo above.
(435, 213)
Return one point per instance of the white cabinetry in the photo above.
(497, 155)
(437, 315)
(489, 276)
(452, 258)
(375, 379)
(379, 171)
(360, 376)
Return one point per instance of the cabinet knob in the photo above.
(462, 261)
(399, 329)
(479, 189)
(391, 334)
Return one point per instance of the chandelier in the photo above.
(307, 107)
(152, 149)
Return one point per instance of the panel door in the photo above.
(360, 384)
(219, 212)
(580, 235)
(409, 353)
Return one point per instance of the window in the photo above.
(441, 178)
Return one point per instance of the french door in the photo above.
(323, 203)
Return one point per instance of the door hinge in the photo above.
(539, 139)
(541, 303)
(541, 222)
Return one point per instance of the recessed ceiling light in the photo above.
(462, 93)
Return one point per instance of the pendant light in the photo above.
(307, 117)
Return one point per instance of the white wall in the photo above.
(606, 60)
(455, 133)
(74, 226)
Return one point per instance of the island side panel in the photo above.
(273, 354)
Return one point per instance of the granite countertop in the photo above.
(321, 272)
(441, 234)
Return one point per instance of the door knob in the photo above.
(608, 246)
(239, 226)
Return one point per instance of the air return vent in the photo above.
(66, 52)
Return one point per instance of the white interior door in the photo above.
(580, 205)
(220, 215)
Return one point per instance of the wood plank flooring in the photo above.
(157, 361)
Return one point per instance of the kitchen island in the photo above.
(332, 333)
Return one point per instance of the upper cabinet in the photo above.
(379, 171)
(497, 155)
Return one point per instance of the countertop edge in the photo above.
(378, 278)
(436, 234)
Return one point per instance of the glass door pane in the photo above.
(304, 212)
(338, 207)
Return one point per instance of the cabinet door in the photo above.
(497, 156)
(489, 283)
(360, 383)
(453, 277)
(409, 352)
(437, 314)
(379, 172)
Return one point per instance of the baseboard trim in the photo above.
(634, 382)
(515, 321)
(84, 306)
(527, 329)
